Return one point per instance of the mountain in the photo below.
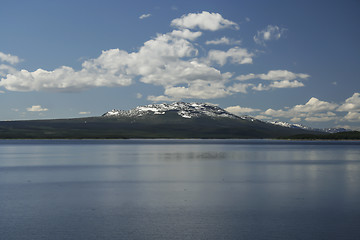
(300, 126)
(176, 120)
(185, 110)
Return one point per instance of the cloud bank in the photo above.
(313, 111)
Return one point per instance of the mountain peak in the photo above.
(185, 110)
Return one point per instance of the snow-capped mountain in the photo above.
(185, 110)
(196, 110)
(300, 126)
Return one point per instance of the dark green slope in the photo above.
(169, 125)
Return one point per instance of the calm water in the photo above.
(179, 189)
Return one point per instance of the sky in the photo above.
(276, 60)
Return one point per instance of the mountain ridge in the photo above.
(176, 120)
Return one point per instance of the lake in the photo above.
(179, 189)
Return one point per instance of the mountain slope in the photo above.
(177, 120)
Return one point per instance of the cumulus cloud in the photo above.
(113, 67)
(314, 110)
(9, 58)
(269, 33)
(186, 33)
(6, 69)
(36, 108)
(352, 107)
(223, 40)
(238, 110)
(351, 104)
(236, 55)
(200, 89)
(261, 87)
(315, 105)
(323, 117)
(352, 117)
(239, 87)
(145, 16)
(203, 21)
(64, 79)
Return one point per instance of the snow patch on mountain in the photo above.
(185, 110)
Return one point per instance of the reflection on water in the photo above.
(179, 189)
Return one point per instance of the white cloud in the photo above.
(139, 95)
(269, 33)
(238, 110)
(200, 89)
(84, 113)
(239, 87)
(161, 98)
(203, 21)
(261, 87)
(223, 40)
(186, 33)
(314, 110)
(36, 108)
(262, 117)
(274, 75)
(65, 79)
(6, 69)
(315, 105)
(113, 67)
(322, 117)
(352, 117)
(286, 84)
(279, 78)
(351, 104)
(145, 16)
(295, 119)
(236, 55)
(182, 72)
(277, 113)
(9, 58)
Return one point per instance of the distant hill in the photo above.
(177, 120)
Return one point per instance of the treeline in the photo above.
(350, 135)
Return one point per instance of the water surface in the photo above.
(179, 189)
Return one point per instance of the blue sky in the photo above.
(294, 61)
